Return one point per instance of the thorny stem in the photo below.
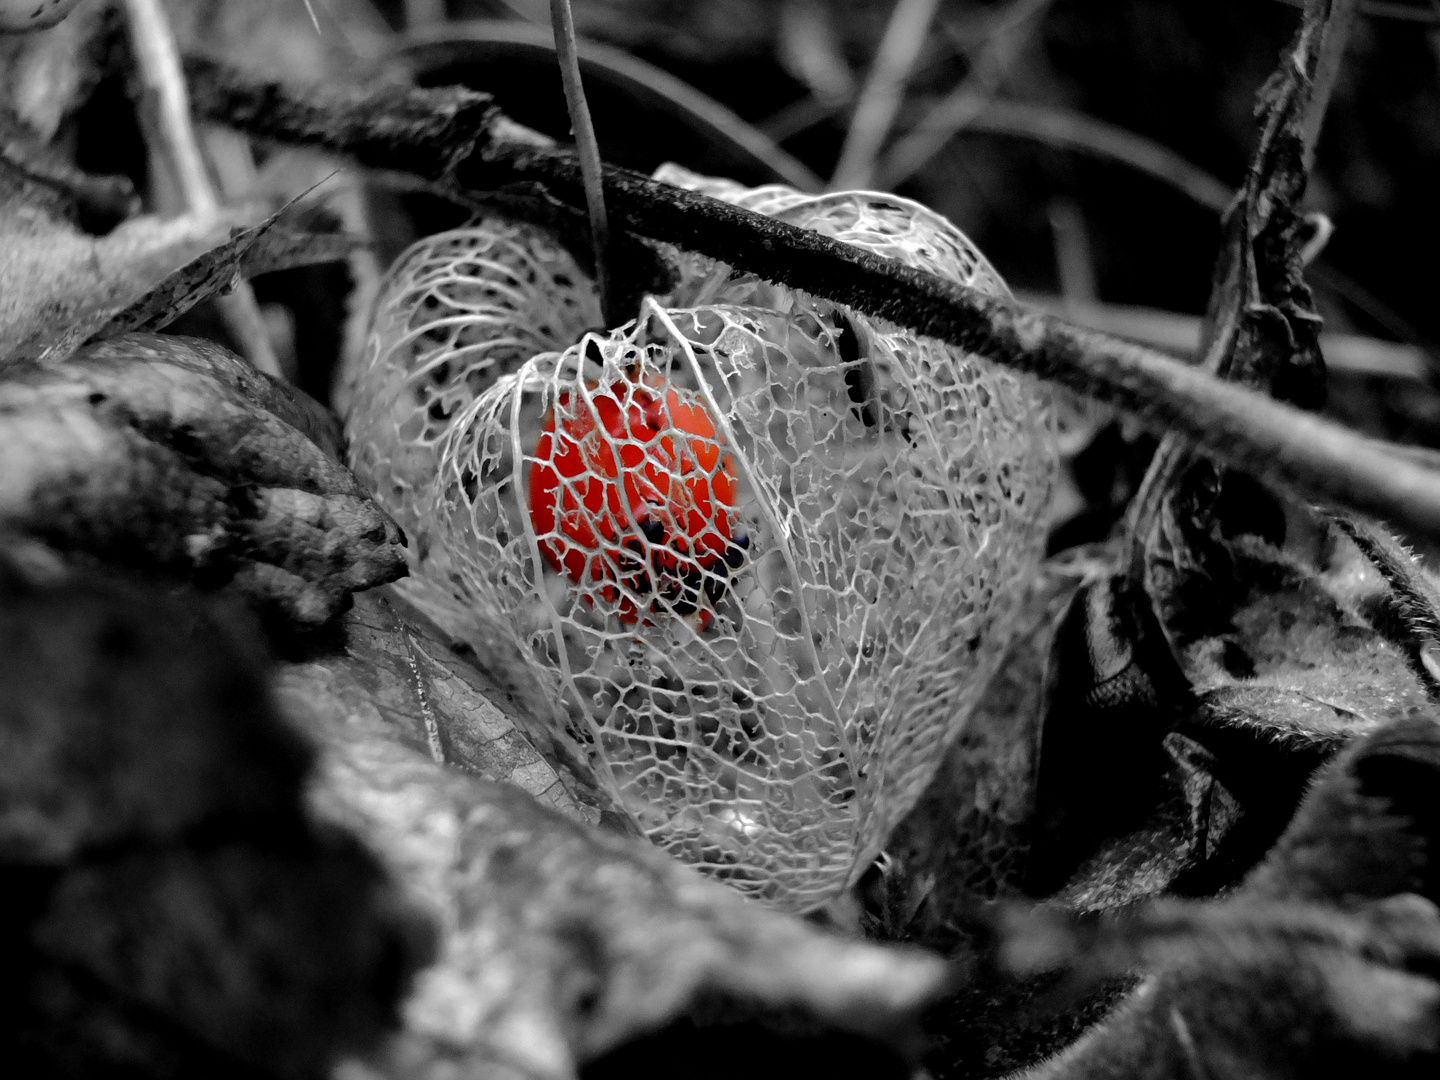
(173, 141)
(563, 22)
(1238, 427)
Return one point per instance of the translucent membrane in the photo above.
(763, 549)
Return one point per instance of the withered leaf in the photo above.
(399, 669)
(168, 453)
(1304, 663)
(969, 835)
(171, 909)
(57, 285)
(560, 944)
(1327, 953)
(276, 243)
(1261, 327)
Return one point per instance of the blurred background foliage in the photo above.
(1181, 74)
(1087, 147)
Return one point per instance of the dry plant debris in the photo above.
(675, 524)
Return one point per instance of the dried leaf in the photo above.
(57, 285)
(1106, 780)
(1369, 827)
(170, 908)
(1318, 670)
(561, 945)
(1325, 955)
(170, 453)
(969, 835)
(46, 77)
(1260, 329)
(273, 244)
(402, 671)
(1289, 676)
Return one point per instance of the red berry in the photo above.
(634, 492)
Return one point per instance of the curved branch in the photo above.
(1237, 427)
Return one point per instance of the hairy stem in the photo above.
(1415, 597)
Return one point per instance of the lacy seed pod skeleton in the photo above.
(761, 548)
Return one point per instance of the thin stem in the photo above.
(168, 104)
(1345, 354)
(1336, 29)
(171, 135)
(961, 111)
(969, 98)
(1381, 9)
(563, 22)
(884, 89)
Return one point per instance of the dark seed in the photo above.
(715, 585)
(735, 551)
(654, 530)
(859, 374)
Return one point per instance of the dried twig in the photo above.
(1336, 30)
(588, 149)
(884, 89)
(437, 47)
(1380, 9)
(172, 138)
(1173, 332)
(1238, 427)
(1074, 260)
